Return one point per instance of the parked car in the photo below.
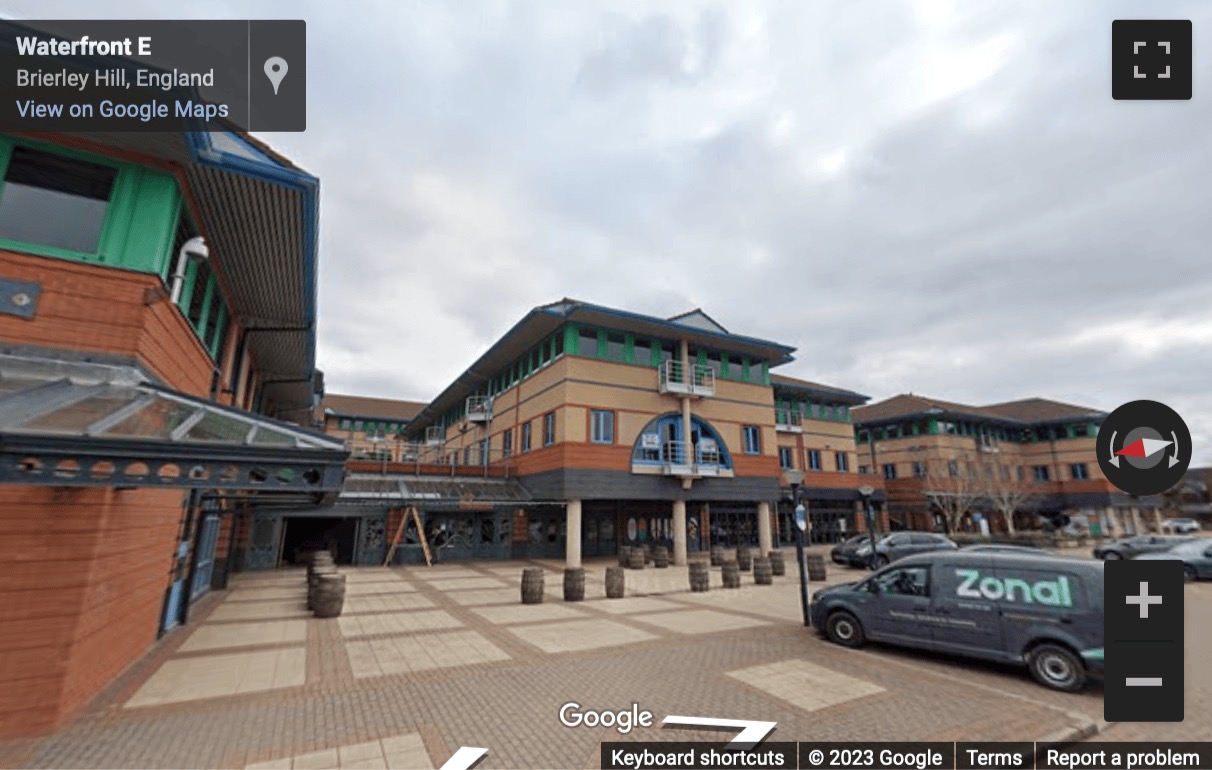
(843, 552)
(898, 545)
(1026, 550)
(1132, 547)
(1183, 526)
(1045, 612)
(1196, 556)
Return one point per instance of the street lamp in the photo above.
(867, 491)
(794, 478)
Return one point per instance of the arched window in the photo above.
(663, 441)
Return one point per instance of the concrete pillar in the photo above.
(679, 532)
(572, 542)
(688, 378)
(1157, 520)
(1109, 524)
(1136, 529)
(765, 544)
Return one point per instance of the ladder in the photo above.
(395, 541)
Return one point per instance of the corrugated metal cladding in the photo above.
(256, 230)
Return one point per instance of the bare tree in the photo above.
(1007, 494)
(954, 490)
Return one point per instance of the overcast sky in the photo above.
(935, 197)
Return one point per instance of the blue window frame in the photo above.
(664, 441)
(601, 426)
(1079, 471)
(1041, 473)
(889, 471)
(785, 457)
(753, 439)
(507, 443)
(549, 429)
(814, 459)
(526, 437)
(843, 462)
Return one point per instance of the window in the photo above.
(814, 459)
(357, 425)
(753, 439)
(526, 437)
(1079, 471)
(1041, 473)
(345, 424)
(919, 470)
(484, 449)
(467, 455)
(889, 470)
(507, 443)
(864, 469)
(952, 468)
(642, 351)
(909, 581)
(549, 429)
(615, 346)
(55, 201)
(601, 426)
(587, 343)
(785, 457)
(843, 462)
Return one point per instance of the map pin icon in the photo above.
(275, 70)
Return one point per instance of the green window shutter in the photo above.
(745, 368)
(932, 429)
(220, 329)
(141, 221)
(601, 343)
(765, 373)
(572, 337)
(724, 366)
(917, 429)
(701, 358)
(654, 356)
(207, 300)
(629, 348)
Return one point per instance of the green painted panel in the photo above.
(572, 337)
(655, 353)
(724, 366)
(601, 343)
(629, 348)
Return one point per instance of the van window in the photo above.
(898, 540)
(906, 581)
(924, 539)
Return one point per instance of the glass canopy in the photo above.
(101, 429)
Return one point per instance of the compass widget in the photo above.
(1144, 447)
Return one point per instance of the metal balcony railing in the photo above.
(435, 435)
(479, 408)
(789, 420)
(673, 379)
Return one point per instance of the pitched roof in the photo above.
(795, 383)
(699, 320)
(1026, 411)
(364, 406)
(1041, 410)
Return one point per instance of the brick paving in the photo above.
(476, 668)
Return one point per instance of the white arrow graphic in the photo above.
(1174, 457)
(752, 731)
(464, 758)
(1114, 457)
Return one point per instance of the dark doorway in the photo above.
(308, 534)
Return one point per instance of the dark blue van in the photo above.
(1043, 611)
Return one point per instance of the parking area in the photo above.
(425, 660)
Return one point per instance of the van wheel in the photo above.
(1056, 667)
(844, 629)
(1111, 555)
(1189, 573)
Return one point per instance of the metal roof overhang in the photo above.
(542, 321)
(941, 414)
(105, 426)
(837, 394)
(432, 492)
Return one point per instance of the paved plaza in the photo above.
(425, 660)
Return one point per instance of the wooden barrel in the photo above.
(762, 575)
(660, 557)
(532, 585)
(816, 566)
(574, 584)
(330, 595)
(731, 572)
(744, 558)
(635, 558)
(700, 577)
(614, 582)
(777, 565)
(624, 553)
(319, 571)
(717, 555)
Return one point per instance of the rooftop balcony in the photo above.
(789, 421)
(673, 458)
(479, 408)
